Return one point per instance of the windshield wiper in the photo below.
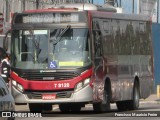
(60, 35)
(36, 45)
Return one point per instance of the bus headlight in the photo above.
(20, 87)
(82, 84)
(17, 86)
(86, 81)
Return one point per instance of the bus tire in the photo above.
(134, 103)
(105, 105)
(35, 107)
(130, 104)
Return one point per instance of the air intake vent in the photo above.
(37, 75)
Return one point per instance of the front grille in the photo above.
(38, 95)
(49, 76)
(37, 75)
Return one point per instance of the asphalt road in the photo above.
(147, 111)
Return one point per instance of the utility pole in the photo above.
(92, 1)
(120, 3)
(37, 4)
(111, 2)
(157, 11)
(7, 11)
(133, 6)
(23, 5)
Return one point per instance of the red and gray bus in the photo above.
(73, 57)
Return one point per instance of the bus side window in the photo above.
(97, 44)
(144, 39)
(97, 39)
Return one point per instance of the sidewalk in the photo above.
(151, 99)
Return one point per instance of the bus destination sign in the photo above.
(50, 18)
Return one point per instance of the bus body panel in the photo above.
(82, 96)
(49, 85)
(122, 64)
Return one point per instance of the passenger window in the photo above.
(106, 27)
(97, 43)
(141, 27)
(97, 39)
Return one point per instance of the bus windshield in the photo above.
(50, 49)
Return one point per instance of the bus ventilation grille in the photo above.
(49, 76)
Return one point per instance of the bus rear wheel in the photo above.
(130, 104)
(134, 103)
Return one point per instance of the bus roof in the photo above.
(51, 10)
(110, 15)
(73, 7)
(85, 7)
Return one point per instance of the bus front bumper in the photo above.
(83, 95)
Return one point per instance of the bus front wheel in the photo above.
(103, 106)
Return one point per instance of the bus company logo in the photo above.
(46, 71)
(48, 78)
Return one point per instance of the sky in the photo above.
(126, 4)
(98, 2)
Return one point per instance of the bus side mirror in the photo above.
(7, 41)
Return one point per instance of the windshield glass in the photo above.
(50, 49)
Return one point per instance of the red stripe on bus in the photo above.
(50, 85)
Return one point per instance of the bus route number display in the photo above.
(50, 18)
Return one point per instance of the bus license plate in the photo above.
(49, 96)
